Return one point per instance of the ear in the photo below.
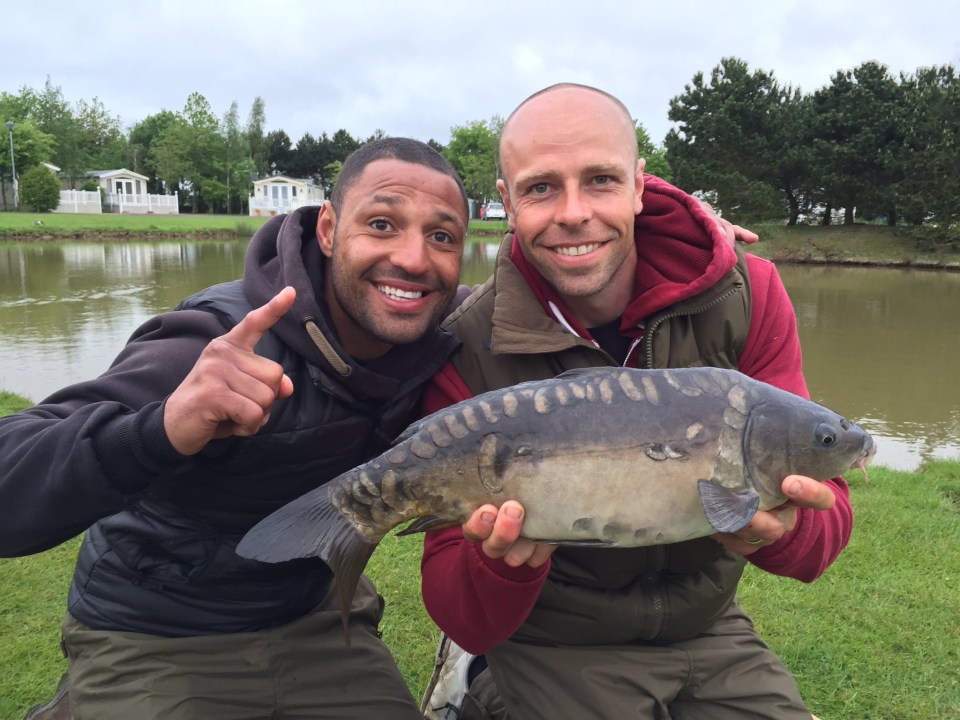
(505, 196)
(326, 225)
(638, 190)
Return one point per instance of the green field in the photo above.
(52, 226)
(876, 637)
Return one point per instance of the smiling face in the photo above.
(572, 186)
(395, 250)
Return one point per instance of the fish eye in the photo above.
(825, 435)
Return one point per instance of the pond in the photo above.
(880, 345)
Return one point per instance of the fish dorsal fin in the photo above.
(577, 372)
(724, 509)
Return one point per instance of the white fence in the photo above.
(82, 201)
(267, 207)
(141, 204)
(79, 201)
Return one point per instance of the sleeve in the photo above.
(92, 448)
(476, 600)
(772, 354)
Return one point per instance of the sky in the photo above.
(420, 67)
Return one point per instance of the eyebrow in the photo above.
(596, 169)
(396, 200)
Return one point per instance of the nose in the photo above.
(411, 253)
(572, 208)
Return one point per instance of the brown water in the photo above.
(880, 345)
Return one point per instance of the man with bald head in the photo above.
(608, 266)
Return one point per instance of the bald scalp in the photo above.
(618, 107)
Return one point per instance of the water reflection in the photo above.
(880, 345)
(67, 308)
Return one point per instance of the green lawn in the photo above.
(876, 638)
(97, 226)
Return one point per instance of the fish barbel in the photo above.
(608, 456)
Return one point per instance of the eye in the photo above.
(539, 188)
(825, 435)
(602, 180)
(442, 236)
(380, 224)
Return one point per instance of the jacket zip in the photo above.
(648, 335)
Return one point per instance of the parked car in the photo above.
(493, 211)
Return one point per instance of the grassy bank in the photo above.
(48, 226)
(876, 637)
(856, 244)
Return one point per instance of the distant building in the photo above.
(279, 194)
(125, 191)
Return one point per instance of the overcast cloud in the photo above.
(417, 68)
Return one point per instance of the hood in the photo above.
(681, 252)
(285, 252)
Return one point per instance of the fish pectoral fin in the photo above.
(427, 523)
(725, 510)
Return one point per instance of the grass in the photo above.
(855, 244)
(877, 637)
(56, 226)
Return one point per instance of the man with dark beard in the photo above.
(247, 395)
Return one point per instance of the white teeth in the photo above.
(578, 250)
(398, 294)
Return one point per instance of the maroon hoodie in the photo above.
(479, 601)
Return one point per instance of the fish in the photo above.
(607, 457)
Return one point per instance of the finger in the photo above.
(528, 552)
(744, 235)
(247, 333)
(506, 530)
(479, 525)
(809, 493)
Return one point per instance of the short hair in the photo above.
(570, 85)
(392, 148)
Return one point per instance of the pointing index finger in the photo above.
(247, 333)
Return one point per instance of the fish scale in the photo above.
(613, 457)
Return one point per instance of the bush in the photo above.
(40, 189)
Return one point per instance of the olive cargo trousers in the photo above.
(299, 670)
(727, 673)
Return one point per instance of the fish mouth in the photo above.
(869, 452)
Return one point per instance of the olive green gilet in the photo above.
(658, 594)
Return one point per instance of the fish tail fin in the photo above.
(725, 510)
(312, 526)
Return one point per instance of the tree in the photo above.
(855, 139)
(656, 157)
(238, 167)
(737, 138)
(31, 146)
(279, 151)
(255, 140)
(40, 189)
(102, 144)
(141, 141)
(474, 153)
(930, 156)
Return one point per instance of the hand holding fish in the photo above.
(769, 526)
(498, 532)
(230, 390)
